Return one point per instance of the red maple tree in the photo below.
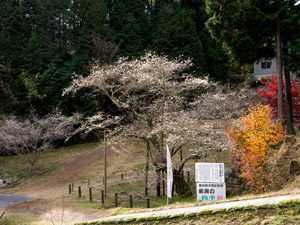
(270, 95)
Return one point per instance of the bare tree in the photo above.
(32, 135)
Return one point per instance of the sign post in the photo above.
(210, 181)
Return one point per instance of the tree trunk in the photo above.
(160, 164)
(180, 154)
(288, 104)
(182, 187)
(30, 167)
(279, 68)
(157, 183)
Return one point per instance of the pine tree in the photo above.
(176, 35)
(179, 28)
(129, 24)
(215, 57)
(14, 35)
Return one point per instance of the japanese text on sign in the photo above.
(209, 172)
(211, 191)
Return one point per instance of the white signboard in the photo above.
(209, 172)
(211, 191)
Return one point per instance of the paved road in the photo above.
(182, 211)
(6, 200)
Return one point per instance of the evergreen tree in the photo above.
(14, 35)
(176, 35)
(179, 28)
(38, 45)
(216, 60)
(52, 35)
(291, 37)
(242, 27)
(129, 24)
(8, 100)
(92, 25)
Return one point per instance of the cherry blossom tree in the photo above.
(29, 137)
(154, 95)
(199, 128)
(142, 89)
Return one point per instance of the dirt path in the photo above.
(53, 205)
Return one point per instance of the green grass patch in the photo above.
(14, 219)
(142, 166)
(48, 164)
(162, 201)
(87, 204)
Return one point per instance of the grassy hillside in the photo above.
(82, 165)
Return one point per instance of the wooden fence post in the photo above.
(79, 191)
(102, 196)
(130, 201)
(116, 199)
(148, 202)
(70, 189)
(90, 192)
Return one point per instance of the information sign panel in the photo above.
(211, 191)
(209, 172)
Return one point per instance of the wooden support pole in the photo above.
(70, 189)
(105, 166)
(79, 191)
(147, 168)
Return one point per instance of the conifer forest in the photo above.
(44, 43)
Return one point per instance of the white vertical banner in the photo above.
(169, 174)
